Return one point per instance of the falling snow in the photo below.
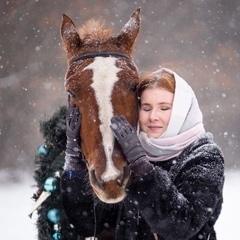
(16, 203)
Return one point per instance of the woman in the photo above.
(177, 169)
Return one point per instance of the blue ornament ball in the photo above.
(42, 150)
(54, 216)
(56, 236)
(50, 184)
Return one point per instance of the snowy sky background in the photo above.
(199, 39)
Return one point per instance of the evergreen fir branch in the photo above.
(46, 165)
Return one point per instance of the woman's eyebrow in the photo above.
(168, 103)
(161, 103)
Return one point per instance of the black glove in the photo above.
(73, 153)
(132, 149)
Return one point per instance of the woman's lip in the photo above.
(155, 127)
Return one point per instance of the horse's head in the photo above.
(101, 79)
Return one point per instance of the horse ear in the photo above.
(129, 32)
(69, 34)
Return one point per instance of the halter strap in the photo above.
(100, 54)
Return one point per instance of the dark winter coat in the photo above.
(180, 199)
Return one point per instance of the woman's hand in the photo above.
(132, 149)
(73, 124)
(74, 159)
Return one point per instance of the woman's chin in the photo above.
(154, 134)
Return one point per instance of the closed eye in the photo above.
(146, 108)
(165, 108)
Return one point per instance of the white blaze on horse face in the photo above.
(104, 77)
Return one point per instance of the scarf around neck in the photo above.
(185, 125)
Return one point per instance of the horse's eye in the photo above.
(133, 88)
(72, 95)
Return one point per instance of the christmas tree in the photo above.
(52, 222)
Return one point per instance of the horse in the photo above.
(101, 79)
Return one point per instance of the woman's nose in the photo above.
(153, 115)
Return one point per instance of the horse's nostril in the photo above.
(126, 174)
(95, 180)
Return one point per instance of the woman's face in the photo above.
(155, 111)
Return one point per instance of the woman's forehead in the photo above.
(157, 95)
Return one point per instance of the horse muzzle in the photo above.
(113, 190)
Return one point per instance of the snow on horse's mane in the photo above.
(94, 30)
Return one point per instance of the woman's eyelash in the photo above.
(165, 108)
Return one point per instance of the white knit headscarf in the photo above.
(185, 125)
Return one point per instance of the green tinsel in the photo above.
(47, 165)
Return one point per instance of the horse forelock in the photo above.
(94, 30)
(104, 78)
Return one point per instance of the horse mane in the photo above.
(94, 30)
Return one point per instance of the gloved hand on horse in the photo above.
(132, 149)
(73, 154)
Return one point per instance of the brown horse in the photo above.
(101, 79)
